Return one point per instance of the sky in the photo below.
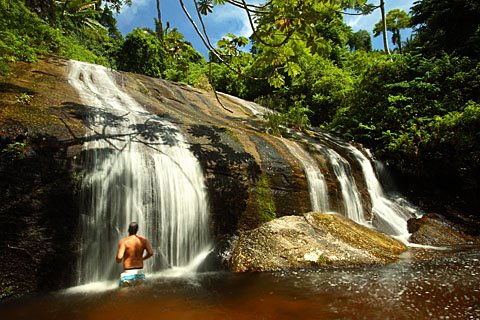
(229, 19)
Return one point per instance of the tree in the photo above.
(80, 13)
(384, 27)
(46, 9)
(360, 40)
(51, 10)
(421, 116)
(142, 53)
(396, 20)
(279, 23)
(108, 20)
(158, 22)
(366, 8)
(180, 55)
(452, 26)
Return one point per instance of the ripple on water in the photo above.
(445, 287)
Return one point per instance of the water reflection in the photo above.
(446, 287)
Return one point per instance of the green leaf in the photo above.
(277, 80)
(205, 6)
(293, 69)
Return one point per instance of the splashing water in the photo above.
(138, 168)
(390, 214)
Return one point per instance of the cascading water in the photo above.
(316, 181)
(352, 202)
(390, 216)
(138, 168)
(351, 197)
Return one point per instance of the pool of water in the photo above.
(439, 284)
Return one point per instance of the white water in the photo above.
(390, 214)
(139, 168)
(316, 181)
(352, 202)
(351, 197)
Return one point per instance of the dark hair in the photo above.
(132, 228)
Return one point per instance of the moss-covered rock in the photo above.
(311, 240)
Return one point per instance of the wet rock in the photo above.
(38, 209)
(311, 240)
(432, 229)
(287, 184)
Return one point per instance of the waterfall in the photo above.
(390, 214)
(137, 168)
(352, 202)
(316, 181)
(351, 197)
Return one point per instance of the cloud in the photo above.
(230, 19)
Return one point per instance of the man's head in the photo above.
(132, 228)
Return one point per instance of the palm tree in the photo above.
(384, 27)
(395, 21)
(158, 23)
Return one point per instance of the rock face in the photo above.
(311, 240)
(433, 230)
(38, 209)
(251, 177)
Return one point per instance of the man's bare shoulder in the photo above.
(142, 238)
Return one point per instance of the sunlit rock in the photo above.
(311, 240)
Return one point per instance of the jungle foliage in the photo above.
(418, 109)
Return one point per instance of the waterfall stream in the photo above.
(390, 214)
(138, 168)
(352, 202)
(316, 181)
(351, 196)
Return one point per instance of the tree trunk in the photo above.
(399, 39)
(384, 22)
(159, 23)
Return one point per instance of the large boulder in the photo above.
(434, 230)
(312, 240)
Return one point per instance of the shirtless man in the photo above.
(130, 250)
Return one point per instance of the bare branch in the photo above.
(68, 128)
(215, 91)
(209, 46)
(251, 7)
(359, 13)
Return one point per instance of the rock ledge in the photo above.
(312, 240)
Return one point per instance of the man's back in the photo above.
(131, 251)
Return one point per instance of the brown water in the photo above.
(446, 287)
